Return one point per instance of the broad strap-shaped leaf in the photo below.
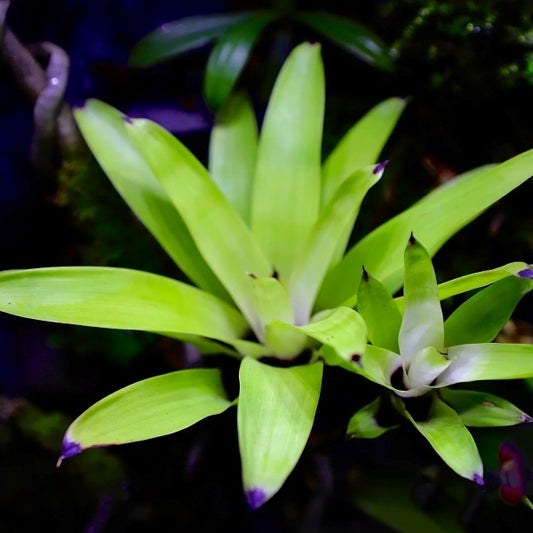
(328, 234)
(422, 322)
(364, 424)
(104, 130)
(448, 436)
(475, 362)
(482, 316)
(233, 151)
(351, 36)
(229, 57)
(360, 146)
(219, 232)
(274, 417)
(476, 280)
(480, 409)
(117, 298)
(180, 36)
(286, 196)
(431, 220)
(380, 313)
(150, 408)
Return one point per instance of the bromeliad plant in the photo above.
(416, 354)
(262, 236)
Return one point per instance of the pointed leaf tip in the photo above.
(68, 449)
(127, 120)
(255, 498)
(526, 418)
(380, 167)
(478, 480)
(526, 273)
(412, 239)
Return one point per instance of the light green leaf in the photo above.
(380, 313)
(360, 146)
(482, 316)
(475, 362)
(328, 234)
(104, 130)
(150, 408)
(286, 196)
(271, 301)
(232, 152)
(353, 37)
(474, 281)
(422, 322)
(221, 235)
(286, 341)
(274, 417)
(363, 424)
(375, 364)
(343, 329)
(426, 365)
(432, 222)
(449, 438)
(229, 57)
(180, 36)
(117, 298)
(480, 409)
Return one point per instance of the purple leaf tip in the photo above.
(526, 273)
(69, 449)
(127, 120)
(380, 166)
(255, 498)
(479, 480)
(526, 418)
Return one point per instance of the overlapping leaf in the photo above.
(286, 196)
(229, 57)
(117, 298)
(381, 252)
(219, 232)
(175, 38)
(104, 130)
(233, 151)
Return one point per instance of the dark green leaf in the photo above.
(363, 424)
(180, 36)
(351, 36)
(229, 57)
(483, 315)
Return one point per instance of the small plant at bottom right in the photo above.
(417, 355)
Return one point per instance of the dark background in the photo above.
(468, 72)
